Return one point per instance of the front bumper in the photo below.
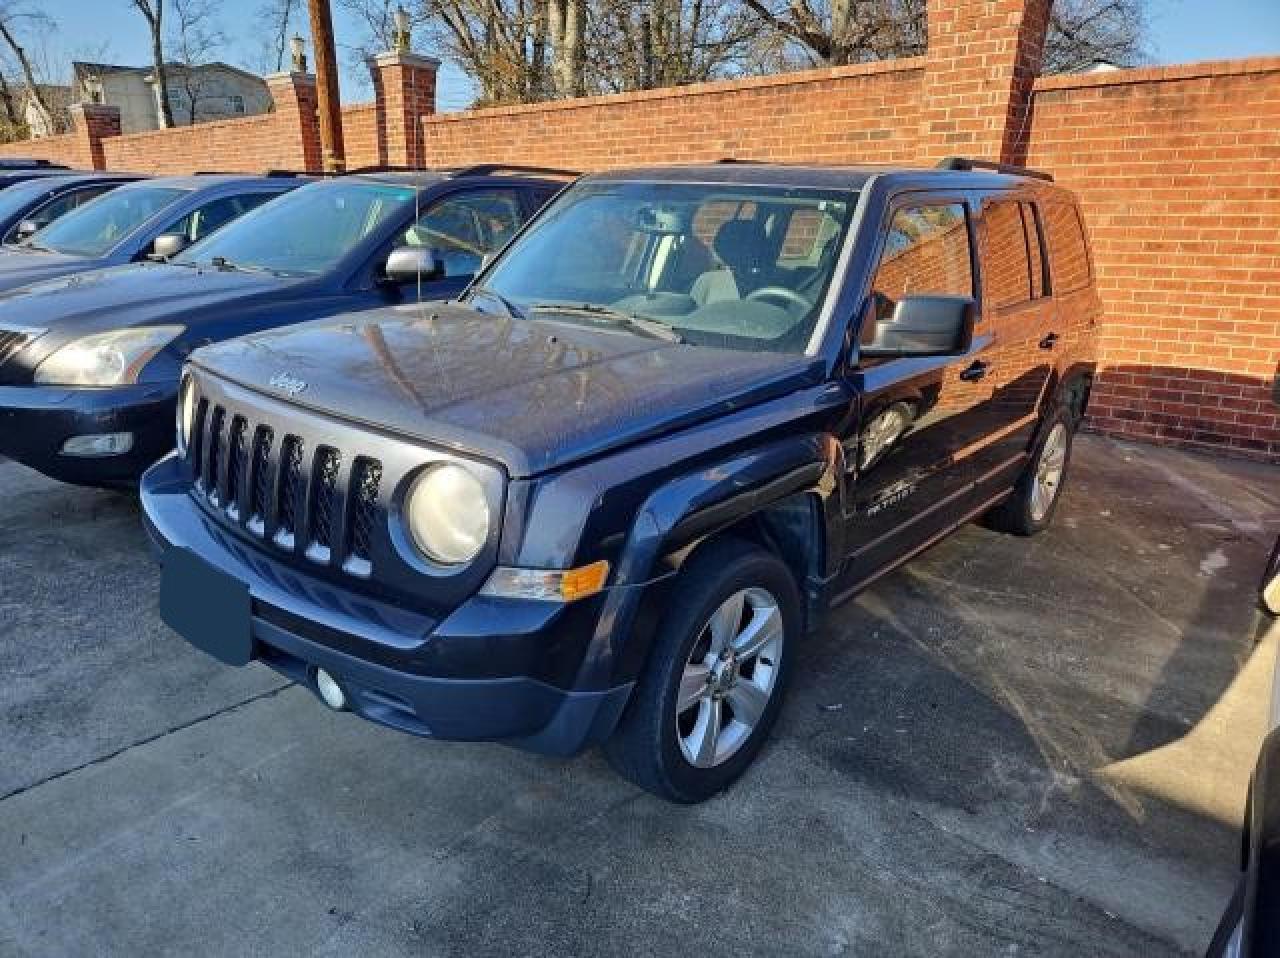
(383, 655)
(35, 421)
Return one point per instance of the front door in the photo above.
(917, 417)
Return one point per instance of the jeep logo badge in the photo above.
(287, 384)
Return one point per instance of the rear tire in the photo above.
(716, 675)
(1036, 493)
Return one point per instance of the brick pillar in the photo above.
(93, 123)
(983, 58)
(404, 86)
(294, 96)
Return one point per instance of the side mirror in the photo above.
(168, 244)
(27, 228)
(920, 326)
(412, 264)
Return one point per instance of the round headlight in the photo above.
(186, 412)
(448, 514)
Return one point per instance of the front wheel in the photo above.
(715, 678)
(1035, 495)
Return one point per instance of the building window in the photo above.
(237, 104)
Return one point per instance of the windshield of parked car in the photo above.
(15, 199)
(744, 267)
(97, 227)
(304, 232)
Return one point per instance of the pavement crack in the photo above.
(103, 759)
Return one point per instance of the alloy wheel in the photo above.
(729, 678)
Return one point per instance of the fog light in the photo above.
(103, 444)
(330, 691)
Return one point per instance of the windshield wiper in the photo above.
(636, 324)
(222, 263)
(514, 311)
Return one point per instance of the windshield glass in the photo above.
(96, 227)
(306, 231)
(722, 265)
(15, 199)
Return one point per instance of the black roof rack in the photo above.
(965, 163)
(383, 168)
(28, 163)
(488, 169)
(281, 174)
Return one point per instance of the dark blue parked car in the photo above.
(148, 218)
(30, 206)
(89, 364)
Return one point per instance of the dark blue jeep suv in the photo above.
(600, 499)
(89, 364)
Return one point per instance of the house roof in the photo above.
(81, 69)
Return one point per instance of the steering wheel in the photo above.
(789, 298)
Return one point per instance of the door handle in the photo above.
(1049, 341)
(975, 371)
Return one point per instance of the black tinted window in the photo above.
(926, 252)
(465, 227)
(203, 220)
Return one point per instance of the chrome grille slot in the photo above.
(195, 445)
(366, 478)
(261, 480)
(236, 454)
(291, 490)
(212, 474)
(324, 504)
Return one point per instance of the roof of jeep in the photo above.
(422, 178)
(811, 176)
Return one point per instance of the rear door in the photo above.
(1019, 315)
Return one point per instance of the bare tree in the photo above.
(278, 17)
(195, 40)
(14, 19)
(153, 12)
(1081, 32)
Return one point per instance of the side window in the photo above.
(203, 220)
(1031, 224)
(56, 207)
(927, 251)
(465, 227)
(1006, 266)
(1068, 255)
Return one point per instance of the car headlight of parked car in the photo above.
(105, 359)
(447, 514)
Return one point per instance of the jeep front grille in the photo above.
(300, 499)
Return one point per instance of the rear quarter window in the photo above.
(1068, 253)
(1006, 268)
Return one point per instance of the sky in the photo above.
(1181, 31)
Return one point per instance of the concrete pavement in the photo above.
(1008, 747)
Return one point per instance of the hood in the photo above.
(21, 269)
(533, 395)
(134, 295)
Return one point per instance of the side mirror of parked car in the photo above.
(411, 264)
(920, 326)
(27, 228)
(168, 244)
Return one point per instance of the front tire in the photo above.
(716, 676)
(1035, 495)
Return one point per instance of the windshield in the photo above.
(304, 232)
(96, 227)
(15, 199)
(722, 265)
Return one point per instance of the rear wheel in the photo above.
(1035, 495)
(715, 678)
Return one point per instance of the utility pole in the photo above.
(332, 151)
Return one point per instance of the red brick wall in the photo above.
(69, 148)
(1178, 171)
(243, 145)
(868, 112)
(360, 135)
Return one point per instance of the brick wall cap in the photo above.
(95, 109)
(792, 78)
(290, 77)
(1172, 72)
(393, 58)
